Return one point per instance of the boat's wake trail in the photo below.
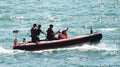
(98, 47)
(84, 48)
(88, 47)
(109, 29)
(10, 52)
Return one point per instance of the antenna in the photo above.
(15, 40)
(67, 29)
(91, 30)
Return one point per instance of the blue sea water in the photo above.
(77, 15)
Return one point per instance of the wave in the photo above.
(11, 17)
(108, 29)
(84, 48)
(5, 17)
(9, 52)
(51, 18)
(98, 47)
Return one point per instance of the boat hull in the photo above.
(80, 40)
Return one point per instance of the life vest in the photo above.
(63, 35)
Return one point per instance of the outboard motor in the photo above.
(15, 40)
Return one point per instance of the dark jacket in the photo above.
(50, 34)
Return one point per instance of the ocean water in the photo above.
(77, 15)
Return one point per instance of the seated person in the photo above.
(50, 33)
(63, 35)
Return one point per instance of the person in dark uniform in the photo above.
(50, 33)
(33, 33)
(39, 31)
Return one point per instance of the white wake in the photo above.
(85, 47)
(8, 51)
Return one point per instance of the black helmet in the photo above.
(51, 25)
(34, 25)
(39, 25)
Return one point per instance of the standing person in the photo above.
(39, 31)
(50, 33)
(33, 33)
